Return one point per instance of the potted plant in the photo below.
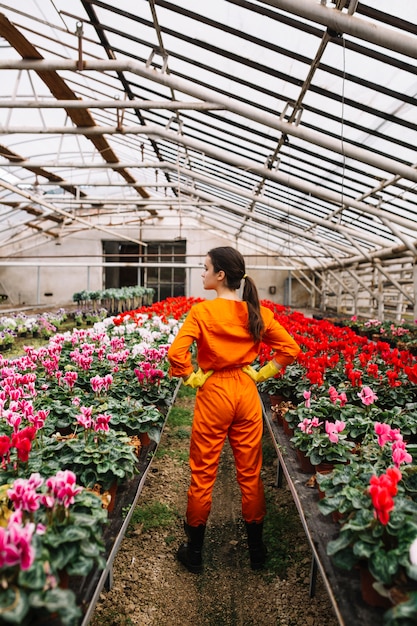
(95, 458)
(288, 383)
(378, 535)
(323, 443)
(49, 527)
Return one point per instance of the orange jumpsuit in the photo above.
(228, 403)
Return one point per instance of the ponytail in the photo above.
(250, 296)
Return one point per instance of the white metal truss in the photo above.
(295, 129)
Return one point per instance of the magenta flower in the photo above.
(386, 433)
(333, 395)
(367, 396)
(85, 417)
(315, 423)
(9, 553)
(102, 422)
(15, 543)
(307, 398)
(96, 384)
(400, 454)
(305, 425)
(342, 398)
(383, 431)
(63, 487)
(23, 495)
(13, 419)
(38, 419)
(333, 429)
(107, 381)
(70, 378)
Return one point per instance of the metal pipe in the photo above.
(351, 25)
(205, 94)
(153, 130)
(13, 262)
(16, 103)
(52, 209)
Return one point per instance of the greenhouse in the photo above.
(143, 143)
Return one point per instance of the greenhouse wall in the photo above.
(54, 271)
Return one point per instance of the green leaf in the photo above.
(384, 565)
(34, 577)
(72, 533)
(342, 541)
(61, 601)
(14, 605)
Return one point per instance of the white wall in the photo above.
(69, 270)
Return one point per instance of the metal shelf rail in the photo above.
(89, 592)
(343, 587)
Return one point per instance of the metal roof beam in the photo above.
(53, 209)
(170, 105)
(59, 89)
(340, 22)
(225, 156)
(205, 94)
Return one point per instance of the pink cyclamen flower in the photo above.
(23, 495)
(70, 378)
(107, 381)
(63, 487)
(85, 418)
(400, 454)
(333, 395)
(38, 419)
(315, 422)
(15, 543)
(307, 398)
(342, 398)
(383, 431)
(305, 425)
(96, 383)
(367, 396)
(386, 433)
(333, 429)
(102, 423)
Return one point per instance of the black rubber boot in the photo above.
(257, 549)
(189, 553)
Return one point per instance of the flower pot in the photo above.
(337, 517)
(368, 592)
(287, 428)
(275, 399)
(324, 468)
(109, 497)
(144, 439)
(63, 579)
(304, 462)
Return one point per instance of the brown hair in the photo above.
(232, 263)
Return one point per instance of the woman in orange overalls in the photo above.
(228, 332)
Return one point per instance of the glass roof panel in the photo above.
(290, 128)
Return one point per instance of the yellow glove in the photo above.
(259, 376)
(197, 379)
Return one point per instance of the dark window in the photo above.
(119, 276)
(167, 281)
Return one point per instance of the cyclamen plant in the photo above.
(382, 490)
(37, 543)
